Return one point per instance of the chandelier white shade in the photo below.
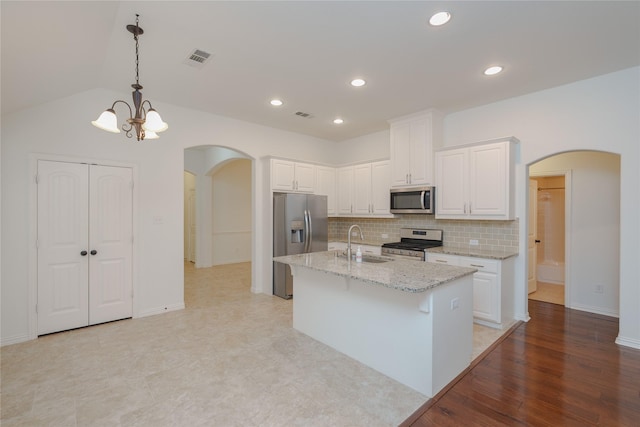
(146, 122)
(107, 121)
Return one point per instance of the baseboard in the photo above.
(628, 342)
(596, 310)
(15, 339)
(160, 310)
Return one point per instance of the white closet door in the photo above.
(110, 243)
(62, 238)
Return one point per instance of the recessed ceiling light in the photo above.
(276, 102)
(440, 18)
(338, 121)
(358, 82)
(492, 70)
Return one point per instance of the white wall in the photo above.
(232, 212)
(64, 129)
(374, 146)
(594, 246)
(599, 114)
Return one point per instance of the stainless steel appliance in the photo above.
(413, 242)
(413, 200)
(300, 225)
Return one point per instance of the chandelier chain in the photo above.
(135, 36)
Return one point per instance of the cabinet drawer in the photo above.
(443, 259)
(481, 264)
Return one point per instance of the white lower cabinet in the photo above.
(492, 287)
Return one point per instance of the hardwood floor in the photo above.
(562, 368)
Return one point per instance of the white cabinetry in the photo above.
(363, 190)
(292, 176)
(326, 185)
(413, 139)
(345, 190)
(476, 182)
(366, 249)
(492, 287)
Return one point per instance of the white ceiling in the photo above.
(306, 53)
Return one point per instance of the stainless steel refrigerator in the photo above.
(300, 226)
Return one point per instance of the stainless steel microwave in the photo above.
(420, 200)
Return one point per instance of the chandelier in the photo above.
(146, 123)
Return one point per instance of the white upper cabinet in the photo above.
(326, 185)
(345, 190)
(292, 176)
(363, 190)
(413, 139)
(476, 182)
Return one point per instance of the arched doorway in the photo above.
(230, 168)
(591, 231)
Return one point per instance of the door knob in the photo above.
(83, 253)
(93, 252)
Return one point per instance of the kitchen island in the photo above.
(411, 321)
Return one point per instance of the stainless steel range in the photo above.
(413, 242)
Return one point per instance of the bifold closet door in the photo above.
(84, 245)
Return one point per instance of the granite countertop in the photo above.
(400, 274)
(472, 252)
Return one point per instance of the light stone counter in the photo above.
(404, 275)
(477, 253)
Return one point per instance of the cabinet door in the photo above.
(421, 170)
(345, 190)
(451, 183)
(326, 185)
(380, 174)
(489, 181)
(362, 189)
(400, 153)
(305, 177)
(282, 175)
(443, 259)
(486, 301)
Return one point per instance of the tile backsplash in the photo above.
(491, 235)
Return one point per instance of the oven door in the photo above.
(412, 200)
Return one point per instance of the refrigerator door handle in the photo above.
(309, 231)
(306, 230)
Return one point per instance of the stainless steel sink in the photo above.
(369, 259)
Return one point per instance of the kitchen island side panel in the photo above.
(410, 337)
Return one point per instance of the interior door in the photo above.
(532, 232)
(110, 243)
(63, 259)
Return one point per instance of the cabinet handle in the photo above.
(406, 179)
(293, 184)
(83, 253)
(469, 208)
(409, 178)
(477, 265)
(465, 208)
(93, 252)
(441, 260)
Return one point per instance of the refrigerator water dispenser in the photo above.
(297, 231)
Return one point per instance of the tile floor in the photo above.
(230, 358)
(548, 292)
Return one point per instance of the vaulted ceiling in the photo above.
(306, 53)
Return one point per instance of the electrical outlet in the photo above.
(473, 242)
(385, 236)
(455, 303)
(599, 289)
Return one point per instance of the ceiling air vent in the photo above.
(303, 114)
(198, 58)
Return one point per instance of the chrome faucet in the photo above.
(349, 240)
